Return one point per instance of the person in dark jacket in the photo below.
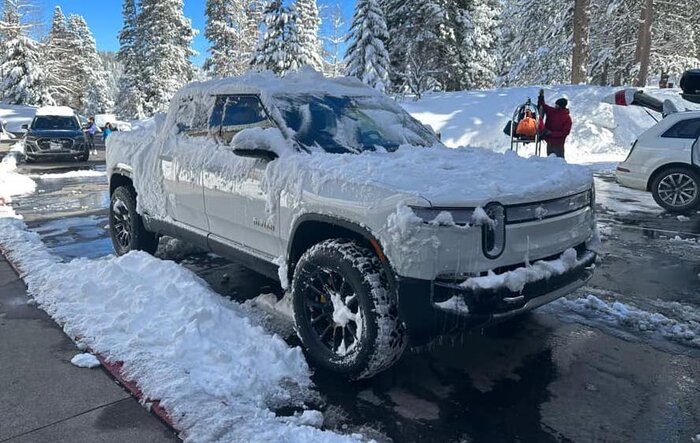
(557, 125)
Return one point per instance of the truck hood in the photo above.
(444, 177)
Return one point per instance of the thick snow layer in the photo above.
(617, 314)
(516, 279)
(216, 374)
(85, 361)
(69, 174)
(16, 116)
(63, 111)
(12, 183)
(601, 132)
(443, 176)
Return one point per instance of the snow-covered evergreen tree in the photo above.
(366, 57)
(60, 60)
(165, 50)
(130, 98)
(271, 52)
(303, 44)
(233, 29)
(539, 41)
(479, 50)
(333, 38)
(114, 71)
(92, 97)
(22, 74)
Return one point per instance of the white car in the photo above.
(665, 160)
(386, 234)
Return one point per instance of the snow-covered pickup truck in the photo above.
(386, 235)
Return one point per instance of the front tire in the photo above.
(126, 225)
(677, 189)
(345, 311)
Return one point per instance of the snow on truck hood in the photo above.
(462, 177)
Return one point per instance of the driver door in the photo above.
(239, 211)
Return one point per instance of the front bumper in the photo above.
(432, 308)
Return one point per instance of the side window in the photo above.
(689, 129)
(216, 115)
(187, 118)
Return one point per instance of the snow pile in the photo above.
(12, 183)
(70, 174)
(516, 279)
(617, 314)
(601, 132)
(85, 361)
(216, 374)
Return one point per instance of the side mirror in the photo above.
(25, 127)
(262, 154)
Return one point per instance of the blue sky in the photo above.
(105, 18)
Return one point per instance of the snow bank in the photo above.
(16, 116)
(601, 132)
(618, 314)
(12, 183)
(69, 174)
(218, 376)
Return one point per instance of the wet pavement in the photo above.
(549, 376)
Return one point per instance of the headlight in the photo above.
(550, 208)
(445, 216)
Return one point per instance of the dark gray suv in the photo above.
(55, 133)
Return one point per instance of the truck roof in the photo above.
(268, 84)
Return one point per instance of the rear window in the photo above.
(48, 122)
(689, 129)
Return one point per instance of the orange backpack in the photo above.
(527, 126)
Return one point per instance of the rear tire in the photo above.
(126, 225)
(345, 311)
(677, 189)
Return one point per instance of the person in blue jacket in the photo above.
(107, 131)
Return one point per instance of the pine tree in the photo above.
(366, 56)
(165, 62)
(271, 53)
(334, 64)
(539, 55)
(23, 81)
(304, 46)
(129, 96)
(92, 96)
(478, 56)
(233, 29)
(60, 60)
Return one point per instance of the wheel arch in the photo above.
(119, 179)
(666, 166)
(311, 229)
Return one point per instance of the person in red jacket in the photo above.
(557, 126)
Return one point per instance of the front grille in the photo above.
(45, 144)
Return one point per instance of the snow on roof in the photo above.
(63, 111)
(268, 84)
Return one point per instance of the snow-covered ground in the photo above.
(601, 133)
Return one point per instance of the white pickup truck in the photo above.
(388, 237)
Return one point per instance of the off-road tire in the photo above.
(662, 186)
(383, 337)
(85, 156)
(123, 217)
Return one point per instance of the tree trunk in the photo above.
(579, 58)
(643, 52)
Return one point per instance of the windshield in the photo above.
(351, 124)
(55, 122)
